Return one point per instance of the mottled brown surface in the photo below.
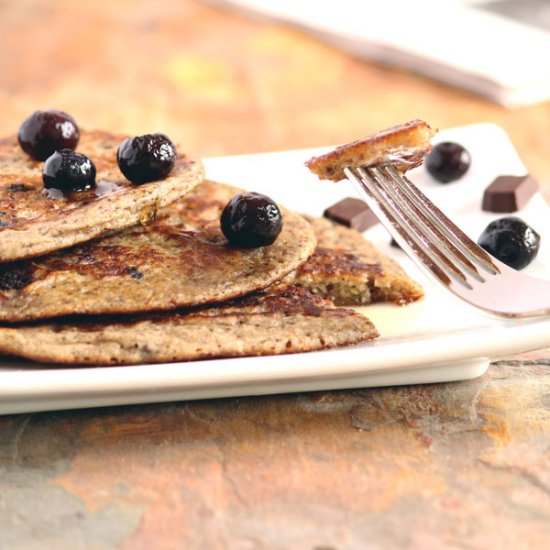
(460, 465)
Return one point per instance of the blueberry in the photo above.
(511, 241)
(251, 220)
(69, 171)
(16, 275)
(448, 161)
(45, 132)
(146, 158)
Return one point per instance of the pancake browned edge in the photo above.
(277, 321)
(180, 260)
(32, 223)
(350, 270)
(403, 146)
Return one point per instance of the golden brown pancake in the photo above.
(34, 221)
(404, 146)
(181, 260)
(276, 321)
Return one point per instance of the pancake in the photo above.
(277, 321)
(350, 270)
(181, 260)
(404, 146)
(34, 222)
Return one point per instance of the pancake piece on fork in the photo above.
(345, 266)
(404, 146)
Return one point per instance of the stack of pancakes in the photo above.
(127, 274)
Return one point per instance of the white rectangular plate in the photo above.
(437, 339)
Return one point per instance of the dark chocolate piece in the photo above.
(509, 193)
(352, 213)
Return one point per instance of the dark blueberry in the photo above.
(45, 132)
(251, 220)
(15, 276)
(134, 272)
(448, 161)
(69, 171)
(23, 188)
(511, 241)
(146, 158)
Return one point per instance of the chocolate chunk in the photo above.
(509, 193)
(394, 243)
(352, 213)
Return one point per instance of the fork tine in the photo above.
(400, 191)
(426, 225)
(433, 231)
(444, 251)
(399, 226)
(452, 233)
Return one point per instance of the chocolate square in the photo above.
(353, 213)
(509, 193)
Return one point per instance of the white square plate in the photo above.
(437, 339)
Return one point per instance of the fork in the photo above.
(444, 251)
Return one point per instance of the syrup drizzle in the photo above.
(103, 188)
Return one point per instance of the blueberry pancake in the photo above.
(404, 146)
(35, 220)
(180, 260)
(277, 321)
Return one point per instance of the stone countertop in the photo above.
(455, 465)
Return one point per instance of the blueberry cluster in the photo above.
(52, 136)
(249, 220)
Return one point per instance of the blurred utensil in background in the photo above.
(495, 49)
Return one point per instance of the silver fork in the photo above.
(442, 250)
